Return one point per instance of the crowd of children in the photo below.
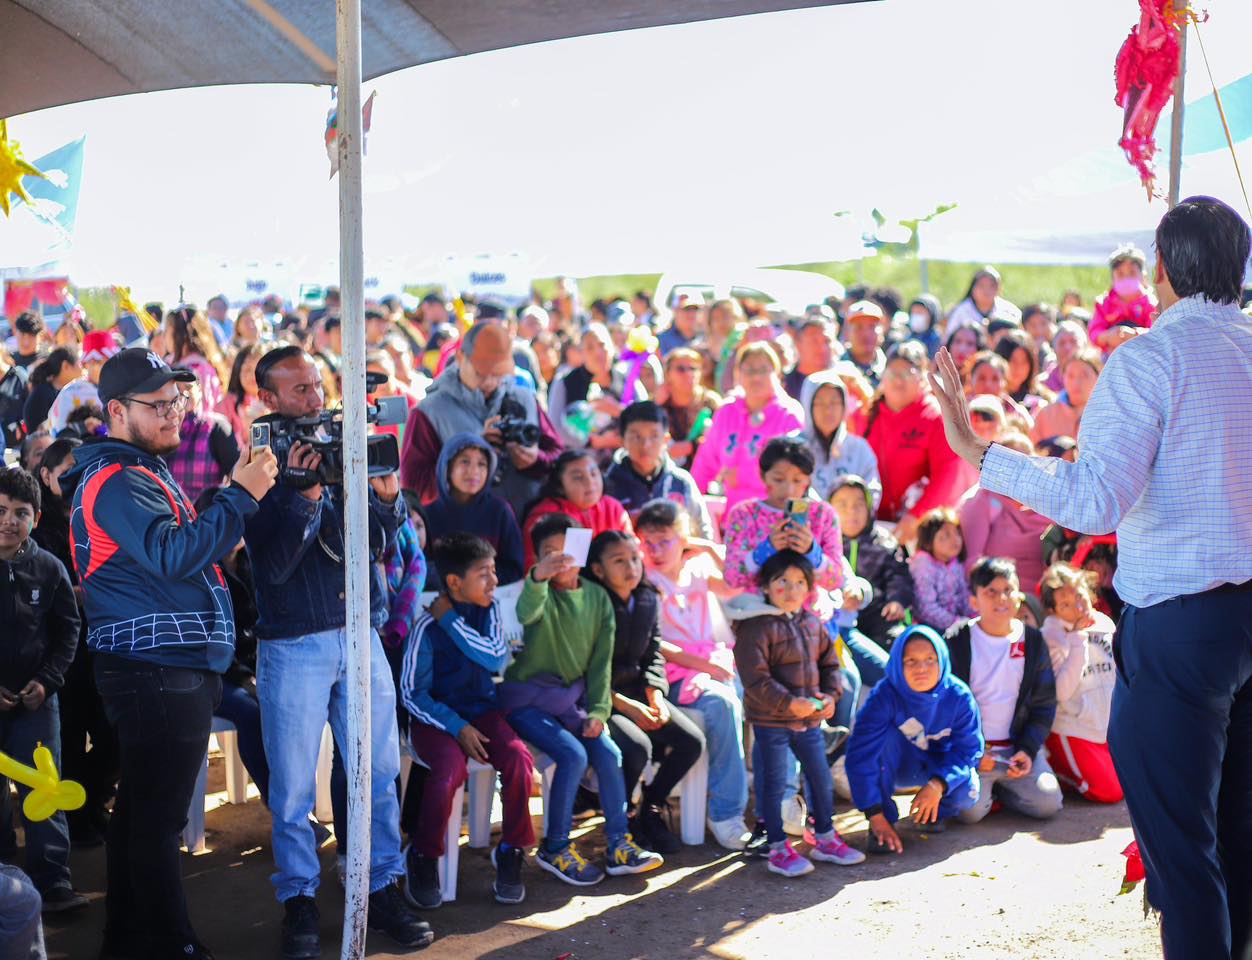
(827, 588)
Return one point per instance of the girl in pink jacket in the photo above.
(1128, 308)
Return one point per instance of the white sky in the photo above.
(734, 140)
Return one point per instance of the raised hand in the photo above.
(965, 443)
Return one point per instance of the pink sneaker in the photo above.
(788, 863)
(835, 850)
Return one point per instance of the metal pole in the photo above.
(356, 535)
(1175, 126)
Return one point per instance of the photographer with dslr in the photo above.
(478, 395)
(296, 544)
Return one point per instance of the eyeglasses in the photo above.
(163, 408)
(656, 546)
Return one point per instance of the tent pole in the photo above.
(1175, 126)
(356, 535)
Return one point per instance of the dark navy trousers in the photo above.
(1181, 738)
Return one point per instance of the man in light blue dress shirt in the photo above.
(1165, 460)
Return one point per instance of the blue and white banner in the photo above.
(37, 240)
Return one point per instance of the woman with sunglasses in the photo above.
(687, 402)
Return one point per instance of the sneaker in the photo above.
(758, 842)
(391, 913)
(191, 951)
(654, 833)
(569, 865)
(786, 862)
(421, 885)
(301, 940)
(508, 887)
(835, 850)
(835, 738)
(839, 773)
(794, 812)
(62, 898)
(732, 834)
(626, 856)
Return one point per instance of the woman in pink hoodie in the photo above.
(995, 526)
(756, 412)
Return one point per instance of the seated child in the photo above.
(559, 696)
(466, 504)
(447, 685)
(790, 671)
(938, 569)
(698, 646)
(642, 470)
(1007, 666)
(575, 488)
(920, 727)
(757, 529)
(642, 724)
(1080, 639)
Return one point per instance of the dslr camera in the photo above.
(513, 425)
(324, 433)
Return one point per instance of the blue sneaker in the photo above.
(626, 856)
(569, 865)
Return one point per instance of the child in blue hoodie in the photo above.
(447, 685)
(464, 474)
(920, 726)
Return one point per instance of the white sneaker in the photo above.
(731, 834)
(839, 774)
(794, 813)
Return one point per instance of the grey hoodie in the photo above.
(846, 453)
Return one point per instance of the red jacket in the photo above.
(608, 514)
(910, 445)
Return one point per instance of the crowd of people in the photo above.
(750, 541)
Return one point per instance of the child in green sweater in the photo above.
(558, 696)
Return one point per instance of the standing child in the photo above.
(920, 727)
(938, 571)
(447, 684)
(559, 696)
(1007, 666)
(643, 725)
(791, 681)
(37, 646)
(698, 646)
(1080, 640)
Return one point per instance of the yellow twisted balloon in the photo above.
(12, 169)
(48, 792)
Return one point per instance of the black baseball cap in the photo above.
(136, 370)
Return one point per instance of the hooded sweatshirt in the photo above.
(844, 453)
(1085, 676)
(911, 447)
(605, 514)
(1111, 309)
(485, 515)
(930, 338)
(152, 589)
(732, 445)
(943, 725)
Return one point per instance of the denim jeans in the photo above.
(47, 841)
(869, 657)
(776, 745)
(162, 716)
(722, 711)
(572, 753)
(900, 767)
(242, 709)
(302, 683)
(21, 931)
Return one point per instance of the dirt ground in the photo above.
(1008, 887)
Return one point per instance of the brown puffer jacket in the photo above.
(779, 658)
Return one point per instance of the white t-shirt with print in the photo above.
(997, 665)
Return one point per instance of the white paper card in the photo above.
(577, 543)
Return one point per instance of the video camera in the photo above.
(513, 425)
(324, 432)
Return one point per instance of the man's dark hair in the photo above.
(457, 552)
(644, 411)
(85, 412)
(271, 360)
(659, 514)
(29, 323)
(372, 314)
(780, 563)
(17, 484)
(792, 449)
(986, 570)
(549, 525)
(889, 299)
(1204, 247)
(331, 323)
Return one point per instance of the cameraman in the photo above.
(471, 397)
(296, 545)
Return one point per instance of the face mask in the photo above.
(1126, 286)
(919, 322)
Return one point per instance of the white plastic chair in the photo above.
(236, 783)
